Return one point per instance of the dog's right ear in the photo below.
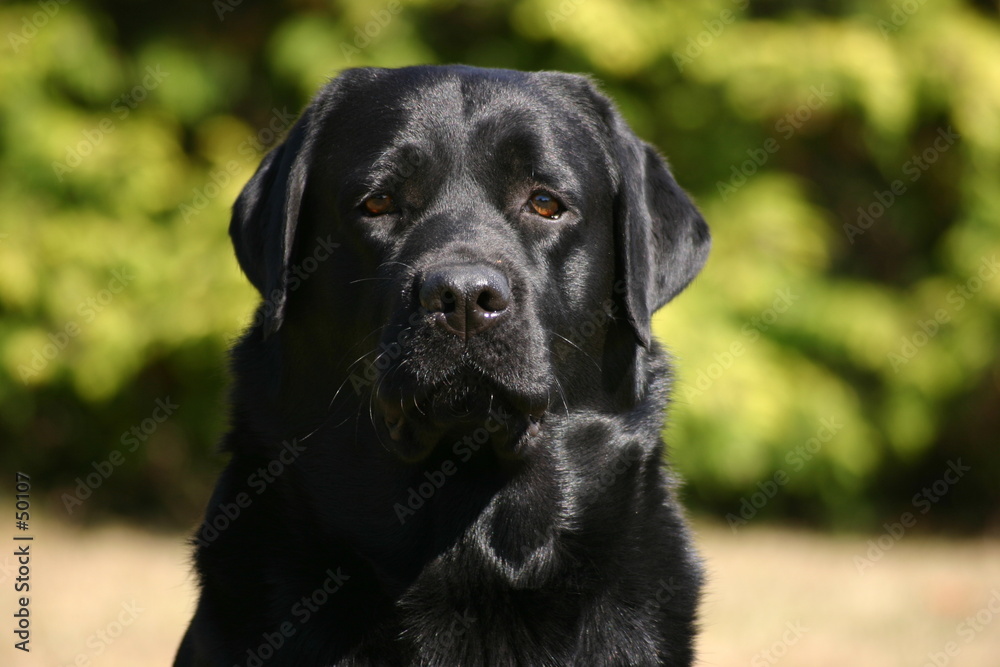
(265, 217)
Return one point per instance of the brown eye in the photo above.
(545, 205)
(378, 204)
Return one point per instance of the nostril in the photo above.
(437, 295)
(491, 301)
(448, 300)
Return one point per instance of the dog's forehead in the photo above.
(472, 98)
(456, 102)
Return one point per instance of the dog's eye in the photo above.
(378, 204)
(545, 205)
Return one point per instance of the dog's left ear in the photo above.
(265, 217)
(661, 239)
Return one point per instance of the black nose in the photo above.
(465, 299)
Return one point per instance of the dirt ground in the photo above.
(119, 596)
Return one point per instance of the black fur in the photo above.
(402, 495)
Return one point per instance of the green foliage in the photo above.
(847, 160)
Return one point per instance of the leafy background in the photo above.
(868, 344)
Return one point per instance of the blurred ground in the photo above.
(118, 596)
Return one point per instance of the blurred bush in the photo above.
(841, 344)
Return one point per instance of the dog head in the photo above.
(465, 249)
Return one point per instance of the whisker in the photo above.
(358, 360)
(363, 280)
(391, 262)
(592, 360)
(562, 395)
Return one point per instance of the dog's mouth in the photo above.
(468, 407)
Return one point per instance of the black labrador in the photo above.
(445, 426)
